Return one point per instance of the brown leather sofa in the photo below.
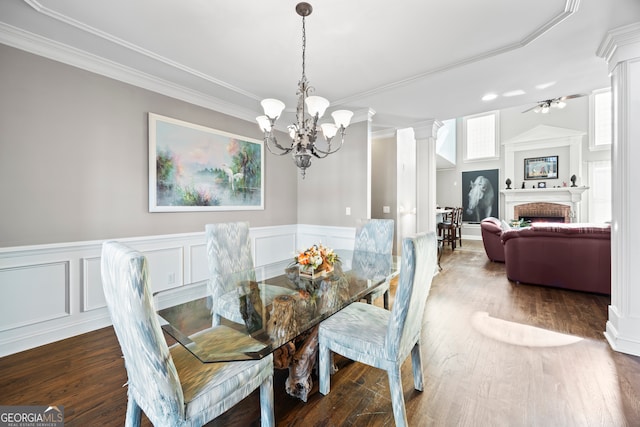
(491, 229)
(570, 256)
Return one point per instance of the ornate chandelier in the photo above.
(304, 131)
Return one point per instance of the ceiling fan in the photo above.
(544, 106)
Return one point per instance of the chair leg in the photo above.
(397, 397)
(325, 364)
(416, 364)
(267, 418)
(215, 319)
(134, 413)
(386, 300)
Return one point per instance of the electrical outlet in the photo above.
(386, 209)
(348, 211)
(171, 280)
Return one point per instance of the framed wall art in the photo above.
(479, 195)
(196, 168)
(541, 168)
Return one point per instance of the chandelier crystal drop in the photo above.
(304, 131)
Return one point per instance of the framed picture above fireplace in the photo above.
(541, 167)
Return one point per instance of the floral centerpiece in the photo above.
(316, 261)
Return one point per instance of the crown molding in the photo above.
(384, 133)
(41, 46)
(135, 48)
(620, 44)
(571, 7)
(363, 115)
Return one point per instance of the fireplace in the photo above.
(543, 212)
(567, 200)
(542, 141)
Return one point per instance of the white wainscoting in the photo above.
(52, 292)
(332, 237)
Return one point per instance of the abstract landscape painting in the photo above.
(195, 168)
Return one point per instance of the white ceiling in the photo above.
(408, 61)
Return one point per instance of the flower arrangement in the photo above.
(520, 223)
(316, 259)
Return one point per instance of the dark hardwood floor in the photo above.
(494, 353)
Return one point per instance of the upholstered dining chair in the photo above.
(382, 338)
(451, 228)
(458, 225)
(374, 237)
(229, 254)
(169, 384)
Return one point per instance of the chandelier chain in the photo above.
(304, 46)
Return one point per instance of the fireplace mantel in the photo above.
(570, 196)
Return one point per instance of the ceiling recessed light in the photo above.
(489, 97)
(514, 92)
(545, 85)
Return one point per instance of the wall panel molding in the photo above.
(54, 291)
(33, 294)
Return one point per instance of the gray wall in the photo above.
(74, 165)
(384, 180)
(337, 182)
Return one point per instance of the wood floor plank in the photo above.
(494, 353)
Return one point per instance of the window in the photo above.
(446, 141)
(600, 118)
(600, 191)
(481, 136)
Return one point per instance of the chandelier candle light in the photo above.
(304, 131)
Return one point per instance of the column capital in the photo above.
(620, 44)
(426, 129)
(363, 115)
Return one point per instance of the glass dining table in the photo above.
(273, 308)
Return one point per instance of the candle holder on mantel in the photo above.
(508, 182)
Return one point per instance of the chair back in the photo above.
(449, 216)
(374, 235)
(153, 379)
(418, 266)
(458, 217)
(372, 255)
(228, 251)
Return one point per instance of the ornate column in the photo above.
(426, 134)
(621, 50)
